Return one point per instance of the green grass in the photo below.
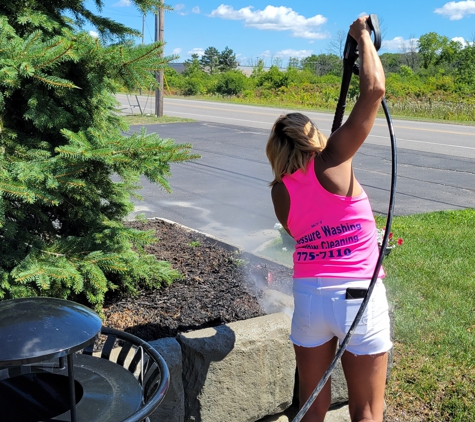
(138, 119)
(431, 284)
(403, 109)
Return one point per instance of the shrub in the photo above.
(232, 82)
(193, 86)
(274, 78)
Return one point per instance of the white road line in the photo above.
(422, 142)
(221, 118)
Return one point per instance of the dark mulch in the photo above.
(218, 286)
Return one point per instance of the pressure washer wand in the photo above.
(350, 55)
(349, 68)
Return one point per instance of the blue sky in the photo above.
(271, 30)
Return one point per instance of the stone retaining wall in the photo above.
(244, 371)
(237, 372)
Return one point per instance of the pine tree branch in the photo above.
(58, 84)
(33, 37)
(144, 55)
(54, 59)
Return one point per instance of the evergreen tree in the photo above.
(192, 66)
(61, 141)
(227, 60)
(210, 60)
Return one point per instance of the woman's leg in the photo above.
(312, 362)
(366, 379)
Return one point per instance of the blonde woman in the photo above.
(318, 200)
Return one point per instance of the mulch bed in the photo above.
(218, 286)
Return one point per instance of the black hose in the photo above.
(374, 279)
(349, 67)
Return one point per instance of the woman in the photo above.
(318, 200)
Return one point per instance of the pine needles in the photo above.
(61, 211)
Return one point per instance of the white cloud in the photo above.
(275, 19)
(457, 10)
(279, 59)
(93, 34)
(180, 9)
(123, 3)
(266, 54)
(199, 51)
(393, 45)
(196, 10)
(398, 43)
(176, 51)
(461, 40)
(297, 54)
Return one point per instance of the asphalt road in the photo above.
(226, 193)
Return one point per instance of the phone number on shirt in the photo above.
(310, 256)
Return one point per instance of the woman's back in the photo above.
(335, 235)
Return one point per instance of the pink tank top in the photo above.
(335, 235)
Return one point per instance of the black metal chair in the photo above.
(142, 361)
(120, 377)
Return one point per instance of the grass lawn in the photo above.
(431, 284)
(149, 119)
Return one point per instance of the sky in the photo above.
(274, 31)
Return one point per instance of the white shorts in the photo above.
(321, 312)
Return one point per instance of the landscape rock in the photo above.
(240, 371)
(172, 408)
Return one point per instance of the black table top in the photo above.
(40, 328)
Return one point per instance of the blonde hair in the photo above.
(293, 141)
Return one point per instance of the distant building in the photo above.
(179, 67)
(247, 70)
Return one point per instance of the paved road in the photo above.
(226, 193)
(446, 139)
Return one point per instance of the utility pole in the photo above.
(159, 25)
(143, 28)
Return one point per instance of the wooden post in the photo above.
(159, 25)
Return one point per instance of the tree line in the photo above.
(430, 70)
